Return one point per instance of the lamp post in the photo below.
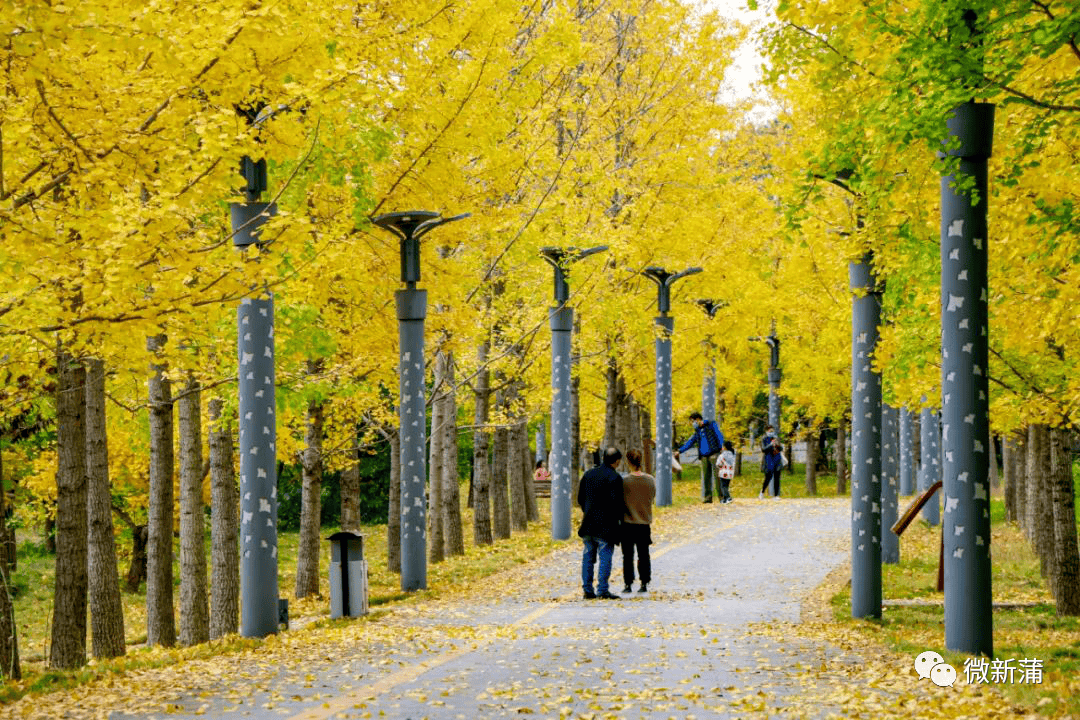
(890, 486)
(866, 441)
(561, 319)
(930, 462)
(965, 408)
(411, 303)
(907, 453)
(708, 395)
(257, 426)
(664, 280)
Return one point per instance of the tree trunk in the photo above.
(68, 645)
(393, 518)
(194, 613)
(512, 460)
(453, 536)
(1040, 509)
(532, 512)
(1008, 467)
(435, 463)
(841, 459)
(646, 439)
(621, 438)
(611, 404)
(481, 482)
(811, 462)
(106, 609)
(224, 532)
(10, 668)
(160, 622)
(1066, 567)
(995, 478)
(500, 502)
(1020, 469)
(311, 462)
(350, 492)
(136, 574)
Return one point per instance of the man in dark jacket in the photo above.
(600, 496)
(710, 443)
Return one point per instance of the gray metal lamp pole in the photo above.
(562, 327)
(258, 429)
(411, 302)
(708, 395)
(890, 482)
(907, 453)
(866, 441)
(664, 280)
(965, 408)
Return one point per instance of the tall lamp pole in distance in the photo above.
(708, 393)
(664, 280)
(562, 326)
(773, 341)
(259, 613)
(411, 303)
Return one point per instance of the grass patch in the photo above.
(1033, 631)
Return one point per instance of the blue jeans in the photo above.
(596, 546)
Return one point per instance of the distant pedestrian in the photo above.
(639, 491)
(709, 441)
(772, 462)
(600, 496)
(725, 471)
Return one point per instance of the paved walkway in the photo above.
(525, 643)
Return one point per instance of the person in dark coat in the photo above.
(600, 495)
(771, 462)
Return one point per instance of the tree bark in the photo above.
(311, 463)
(435, 463)
(1040, 509)
(136, 573)
(160, 621)
(10, 668)
(500, 502)
(811, 462)
(350, 490)
(224, 532)
(512, 460)
(611, 408)
(106, 609)
(453, 536)
(393, 518)
(68, 644)
(995, 478)
(532, 512)
(1008, 467)
(1020, 468)
(1066, 565)
(841, 459)
(646, 439)
(194, 612)
(481, 482)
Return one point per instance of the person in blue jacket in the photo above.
(710, 443)
(772, 462)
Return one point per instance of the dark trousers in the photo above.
(636, 537)
(708, 469)
(725, 488)
(774, 476)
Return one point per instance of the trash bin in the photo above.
(348, 575)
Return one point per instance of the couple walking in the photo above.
(616, 509)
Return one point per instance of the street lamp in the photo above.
(708, 394)
(411, 303)
(561, 319)
(258, 430)
(664, 280)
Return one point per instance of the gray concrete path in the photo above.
(525, 642)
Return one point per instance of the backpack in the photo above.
(724, 469)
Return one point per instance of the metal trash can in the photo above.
(348, 575)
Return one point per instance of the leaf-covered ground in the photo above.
(718, 635)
